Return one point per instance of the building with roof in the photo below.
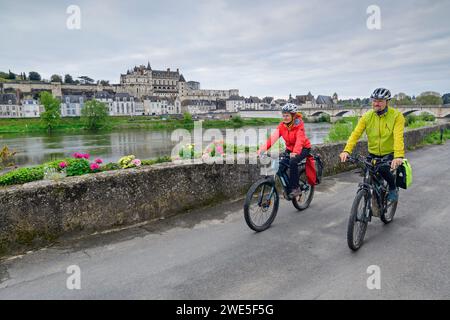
(324, 101)
(235, 103)
(144, 81)
(154, 105)
(71, 105)
(9, 106)
(198, 106)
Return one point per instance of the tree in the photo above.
(68, 78)
(86, 80)
(34, 76)
(446, 98)
(52, 107)
(187, 118)
(94, 115)
(405, 101)
(56, 78)
(104, 82)
(429, 100)
(11, 76)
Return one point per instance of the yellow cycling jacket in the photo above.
(384, 133)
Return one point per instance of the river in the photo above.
(37, 148)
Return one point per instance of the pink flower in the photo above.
(219, 149)
(77, 155)
(94, 166)
(98, 161)
(62, 165)
(86, 156)
(136, 162)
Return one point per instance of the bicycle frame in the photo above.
(281, 176)
(373, 184)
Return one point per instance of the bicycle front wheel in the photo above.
(357, 223)
(261, 205)
(388, 215)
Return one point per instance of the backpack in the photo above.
(404, 175)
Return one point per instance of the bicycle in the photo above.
(370, 200)
(263, 195)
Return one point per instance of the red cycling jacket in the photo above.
(294, 137)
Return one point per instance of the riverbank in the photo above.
(75, 124)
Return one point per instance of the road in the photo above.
(212, 254)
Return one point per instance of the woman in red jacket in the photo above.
(298, 147)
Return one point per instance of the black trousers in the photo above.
(292, 163)
(385, 172)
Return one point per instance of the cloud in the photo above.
(260, 47)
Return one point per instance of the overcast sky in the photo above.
(263, 48)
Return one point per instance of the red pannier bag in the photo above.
(311, 170)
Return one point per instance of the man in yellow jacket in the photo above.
(384, 127)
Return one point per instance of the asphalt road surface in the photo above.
(212, 254)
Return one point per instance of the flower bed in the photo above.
(79, 163)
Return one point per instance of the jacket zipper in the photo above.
(379, 135)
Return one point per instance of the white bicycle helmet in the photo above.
(381, 93)
(289, 107)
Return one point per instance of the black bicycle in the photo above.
(262, 200)
(370, 200)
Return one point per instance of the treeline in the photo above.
(35, 76)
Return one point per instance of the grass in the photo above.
(435, 137)
(342, 129)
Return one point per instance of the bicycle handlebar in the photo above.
(360, 159)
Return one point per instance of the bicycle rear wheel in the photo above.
(357, 223)
(304, 200)
(261, 205)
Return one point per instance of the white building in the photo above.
(31, 108)
(107, 98)
(206, 94)
(160, 106)
(123, 105)
(139, 107)
(253, 103)
(71, 105)
(235, 103)
(198, 106)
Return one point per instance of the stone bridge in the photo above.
(439, 111)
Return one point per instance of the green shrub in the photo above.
(418, 124)
(155, 161)
(22, 175)
(435, 137)
(324, 118)
(342, 129)
(427, 117)
(110, 166)
(237, 121)
(77, 167)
